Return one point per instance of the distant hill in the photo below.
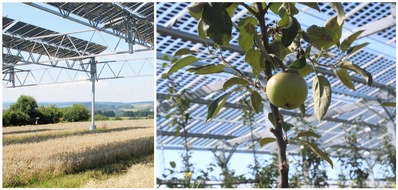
(98, 105)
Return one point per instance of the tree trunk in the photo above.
(278, 131)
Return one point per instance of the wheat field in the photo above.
(35, 152)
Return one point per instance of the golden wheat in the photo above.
(29, 130)
(137, 176)
(56, 156)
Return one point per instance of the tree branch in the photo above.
(248, 8)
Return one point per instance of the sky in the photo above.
(131, 89)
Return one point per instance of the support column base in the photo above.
(92, 128)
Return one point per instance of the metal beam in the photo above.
(168, 147)
(376, 26)
(221, 137)
(198, 135)
(284, 112)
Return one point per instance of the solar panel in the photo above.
(10, 59)
(17, 37)
(113, 16)
(179, 31)
(7, 22)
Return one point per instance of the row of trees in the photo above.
(26, 110)
(140, 113)
(106, 113)
(309, 169)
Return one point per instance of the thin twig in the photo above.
(320, 64)
(267, 7)
(278, 60)
(248, 8)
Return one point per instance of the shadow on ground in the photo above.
(26, 131)
(44, 137)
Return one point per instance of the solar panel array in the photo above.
(179, 31)
(17, 37)
(114, 16)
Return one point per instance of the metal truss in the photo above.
(13, 77)
(61, 54)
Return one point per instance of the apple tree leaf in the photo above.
(299, 63)
(207, 69)
(182, 63)
(184, 51)
(271, 118)
(231, 7)
(290, 33)
(247, 32)
(287, 126)
(340, 11)
(256, 60)
(306, 70)
(216, 106)
(322, 93)
(306, 134)
(349, 40)
(267, 140)
(318, 151)
(256, 101)
(173, 164)
(332, 25)
(201, 31)
(321, 37)
(391, 104)
(196, 9)
(217, 23)
(356, 48)
(302, 110)
(235, 81)
(345, 78)
(351, 66)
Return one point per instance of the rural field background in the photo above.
(118, 154)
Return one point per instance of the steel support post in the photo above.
(12, 76)
(130, 34)
(93, 72)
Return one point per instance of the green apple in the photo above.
(287, 90)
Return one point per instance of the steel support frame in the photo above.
(38, 74)
(160, 133)
(294, 114)
(69, 63)
(93, 72)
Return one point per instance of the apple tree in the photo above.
(274, 80)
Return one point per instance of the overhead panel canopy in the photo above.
(121, 18)
(20, 36)
(11, 59)
(348, 109)
(7, 22)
